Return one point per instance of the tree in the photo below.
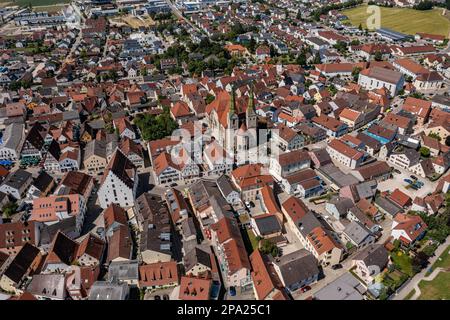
(447, 141)
(317, 59)
(9, 209)
(209, 98)
(435, 136)
(355, 73)
(424, 152)
(268, 247)
(378, 56)
(360, 27)
(155, 127)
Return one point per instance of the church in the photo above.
(233, 123)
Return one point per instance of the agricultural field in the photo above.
(408, 21)
(34, 3)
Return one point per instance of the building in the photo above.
(12, 141)
(408, 229)
(297, 269)
(370, 262)
(17, 183)
(119, 182)
(343, 153)
(377, 78)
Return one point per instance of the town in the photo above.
(224, 150)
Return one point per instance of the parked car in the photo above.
(305, 288)
(397, 171)
(408, 181)
(336, 266)
(420, 183)
(173, 184)
(413, 177)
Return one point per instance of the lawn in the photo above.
(444, 260)
(403, 262)
(408, 21)
(249, 238)
(35, 3)
(437, 289)
(410, 295)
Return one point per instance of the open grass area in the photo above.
(403, 262)
(249, 238)
(410, 295)
(34, 3)
(437, 289)
(444, 260)
(408, 21)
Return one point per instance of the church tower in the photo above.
(251, 118)
(233, 119)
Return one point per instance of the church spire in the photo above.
(251, 101)
(232, 102)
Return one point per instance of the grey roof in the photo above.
(373, 255)
(17, 179)
(342, 205)
(225, 186)
(346, 287)
(188, 228)
(297, 266)
(366, 189)
(356, 232)
(102, 290)
(95, 147)
(13, 136)
(307, 223)
(334, 174)
(267, 224)
(67, 226)
(388, 206)
(123, 270)
(198, 255)
(48, 285)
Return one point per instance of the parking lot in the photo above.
(398, 182)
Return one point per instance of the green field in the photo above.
(408, 21)
(35, 3)
(438, 289)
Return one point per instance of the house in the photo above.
(289, 163)
(120, 244)
(75, 182)
(406, 159)
(429, 82)
(378, 170)
(266, 284)
(370, 262)
(54, 208)
(12, 141)
(105, 290)
(159, 275)
(199, 261)
(387, 207)
(195, 288)
(17, 183)
(250, 179)
(352, 118)
(343, 153)
(286, 139)
(95, 156)
(62, 254)
(377, 77)
(228, 190)
(235, 266)
(124, 272)
(154, 223)
(90, 251)
(296, 269)
(338, 207)
(14, 235)
(266, 226)
(346, 287)
(333, 127)
(24, 264)
(124, 128)
(358, 235)
(304, 183)
(408, 228)
(400, 198)
(41, 186)
(48, 286)
(119, 182)
(314, 236)
(396, 122)
(177, 205)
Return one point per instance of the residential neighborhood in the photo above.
(223, 150)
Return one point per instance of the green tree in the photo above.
(378, 56)
(355, 73)
(424, 152)
(9, 209)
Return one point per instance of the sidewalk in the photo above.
(421, 275)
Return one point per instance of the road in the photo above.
(401, 294)
(179, 14)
